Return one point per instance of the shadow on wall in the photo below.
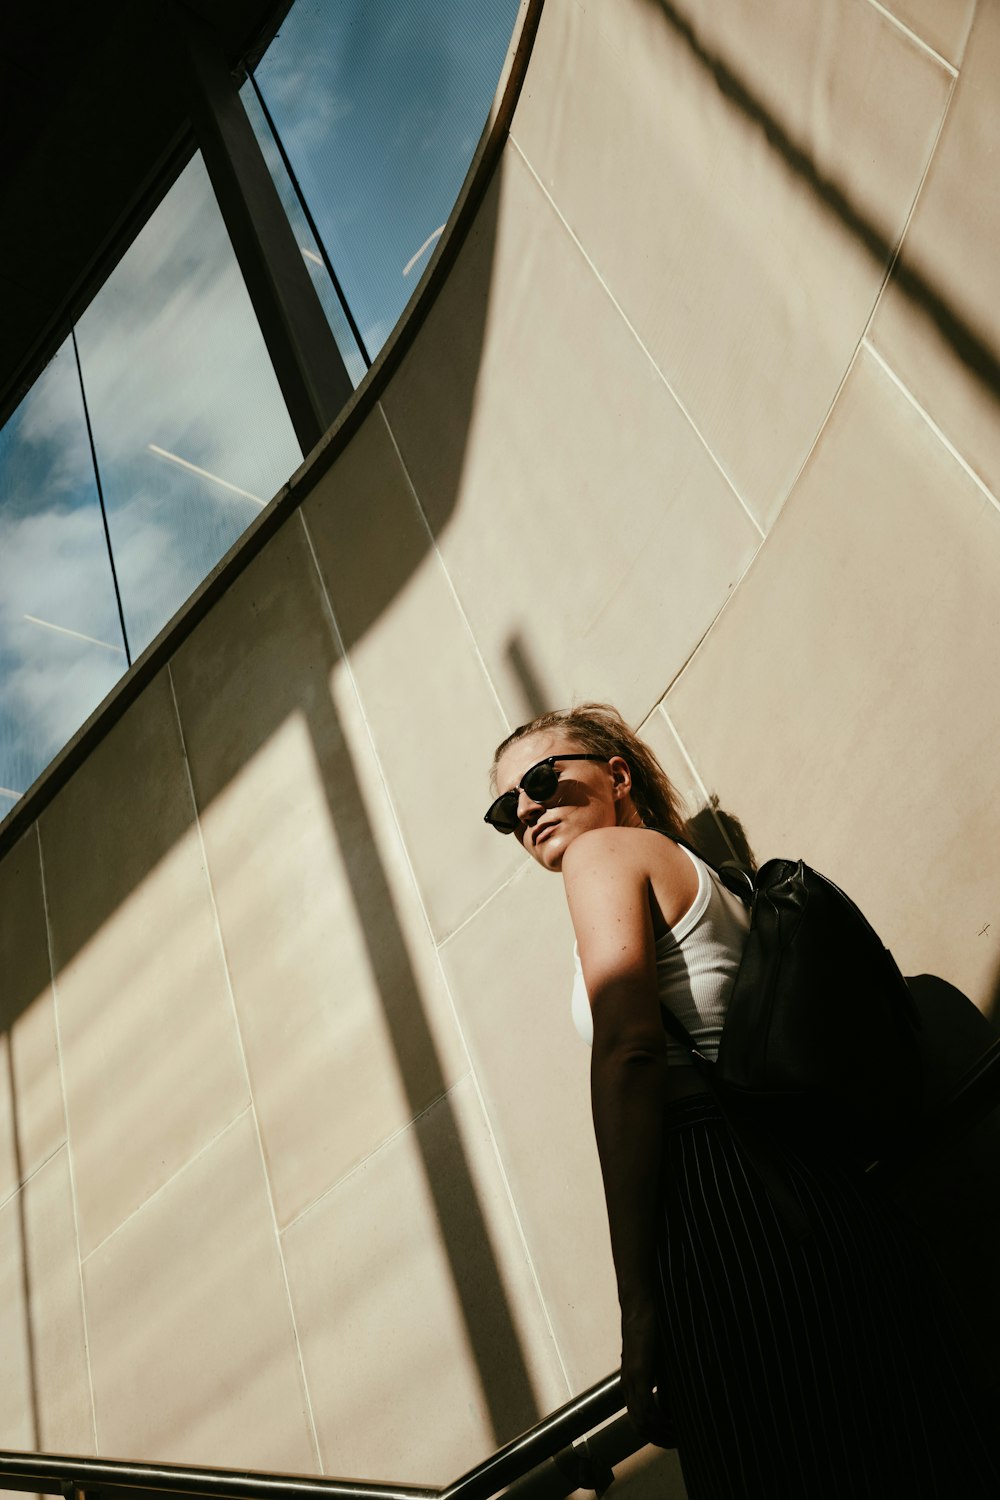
(507, 1391)
(489, 1324)
(979, 357)
(535, 697)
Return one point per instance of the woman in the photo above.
(829, 1366)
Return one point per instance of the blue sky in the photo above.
(380, 105)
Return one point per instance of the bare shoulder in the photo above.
(636, 848)
(611, 865)
(606, 849)
(606, 882)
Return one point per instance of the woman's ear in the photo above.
(621, 775)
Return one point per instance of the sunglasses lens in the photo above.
(541, 782)
(503, 814)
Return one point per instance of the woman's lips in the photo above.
(542, 833)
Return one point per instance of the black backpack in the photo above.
(821, 1033)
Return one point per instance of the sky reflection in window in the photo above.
(380, 105)
(191, 433)
(61, 647)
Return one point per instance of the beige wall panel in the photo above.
(938, 323)
(659, 736)
(589, 516)
(714, 833)
(32, 1119)
(149, 1046)
(721, 165)
(845, 704)
(942, 24)
(425, 693)
(44, 1385)
(385, 1276)
(347, 1028)
(511, 974)
(192, 1347)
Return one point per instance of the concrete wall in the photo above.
(295, 1157)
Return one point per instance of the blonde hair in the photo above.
(601, 729)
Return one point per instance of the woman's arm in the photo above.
(607, 889)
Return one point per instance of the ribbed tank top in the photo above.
(696, 964)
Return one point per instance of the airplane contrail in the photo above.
(428, 241)
(205, 473)
(76, 634)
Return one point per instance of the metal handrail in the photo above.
(547, 1438)
(77, 1477)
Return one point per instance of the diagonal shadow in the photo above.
(978, 356)
(536, 698)
(486, 1311)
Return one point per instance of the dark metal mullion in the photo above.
(100, 495)
(327, 262)
(307, 362)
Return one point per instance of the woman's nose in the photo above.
(528, 810)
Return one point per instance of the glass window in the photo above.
(312, 250)
(380, 105)
(61, 647)
(376, 107)
(191, 433)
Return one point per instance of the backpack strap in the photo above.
(732, 874)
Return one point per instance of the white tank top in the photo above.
(696, 964)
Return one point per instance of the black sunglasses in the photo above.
(540, 781)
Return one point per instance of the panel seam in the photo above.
(710, 801)
(898, 249)
(23, 1181)
(369, 1156)
(69, 1145)
(912, 36)
(158, 1192)
(515, 875)
(938, 432)
(447, 574)
(638, 339)
(252, 1107)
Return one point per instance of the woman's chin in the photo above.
(549, 853)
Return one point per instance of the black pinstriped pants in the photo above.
(800, 1371)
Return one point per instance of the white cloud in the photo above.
(172, 354)
(53, 565)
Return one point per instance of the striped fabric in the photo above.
(827, 1368)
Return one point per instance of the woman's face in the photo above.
(590, 794)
